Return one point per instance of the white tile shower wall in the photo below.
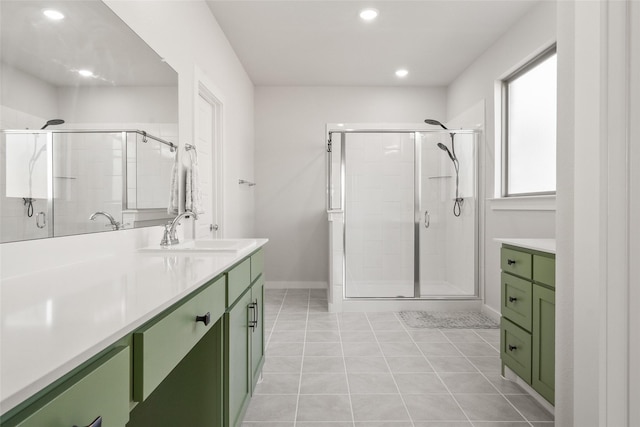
(379, 214)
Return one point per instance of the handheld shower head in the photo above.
(444, 148)
(435, 123)
(52, 122)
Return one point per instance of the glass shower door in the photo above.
(447, 204)
(379, 215)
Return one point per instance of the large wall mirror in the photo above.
(88, 119)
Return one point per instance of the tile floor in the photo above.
(369, 370)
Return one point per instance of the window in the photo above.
(529, 128)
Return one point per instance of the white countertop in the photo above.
(54, 320)
(543, 245)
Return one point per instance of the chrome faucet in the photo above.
(169, 237)
(114, 224)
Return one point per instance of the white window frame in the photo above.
(504, 83)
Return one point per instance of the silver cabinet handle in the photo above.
(427, 219)
(253, 322)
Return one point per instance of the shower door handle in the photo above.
(427, 219)
(39, 216)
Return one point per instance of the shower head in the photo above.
(444, 148)
(53, 122)
(435, 123)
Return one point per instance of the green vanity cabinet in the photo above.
(237, 347)
(257, 332)
(543, 356)
(527, 338)
(99, 390)
(244, 337)
(194, 364)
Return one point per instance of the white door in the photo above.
(208, 224)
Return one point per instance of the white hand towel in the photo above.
(174, 192)
(193, 200)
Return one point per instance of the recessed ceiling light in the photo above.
(85, 73)
(53, 14)
(402, 73)
(369, 14)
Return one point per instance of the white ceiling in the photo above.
(324, 42)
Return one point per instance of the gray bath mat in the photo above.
(447, 320)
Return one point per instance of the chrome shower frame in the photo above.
(417, 205)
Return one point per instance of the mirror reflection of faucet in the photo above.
(113, 223)
(169, 237)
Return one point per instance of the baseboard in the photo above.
(512, 376)
(295, 285)
(491, 313)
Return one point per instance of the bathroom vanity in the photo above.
(147, 339)
(527, 338)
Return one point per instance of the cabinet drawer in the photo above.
(515, 262)
(515, 349)
(100, 390)
(159, 347)
(544, 270)
(257, 264)
(239, 281)
(516, 300)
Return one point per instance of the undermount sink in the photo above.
(203, 246)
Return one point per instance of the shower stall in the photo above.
(404, 209)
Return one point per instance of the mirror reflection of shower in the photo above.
(28, 201)
(457, 203)
(52, 122)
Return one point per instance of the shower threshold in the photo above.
(431, 303)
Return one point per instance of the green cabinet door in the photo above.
(543, 357)
(257, 333)
(237, 348)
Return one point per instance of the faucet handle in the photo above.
(166, 241)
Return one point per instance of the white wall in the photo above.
(597, 369)
(21, 93)
(186, 35)
(565, 216)
(146, 104)
(530, 35)
(291, 164)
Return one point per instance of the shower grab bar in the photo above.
(427, 219)
(144, 134)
